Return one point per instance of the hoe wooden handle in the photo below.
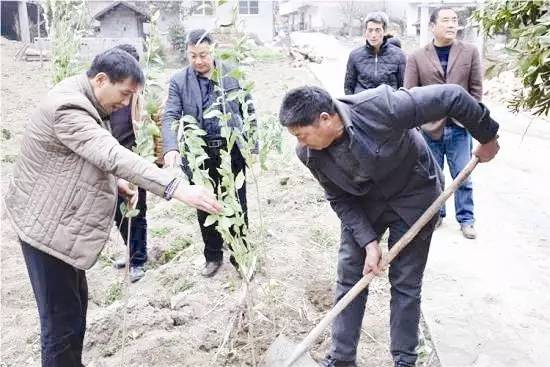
(386, 260)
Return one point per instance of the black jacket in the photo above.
(381, 126)
(367, 70)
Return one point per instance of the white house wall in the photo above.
(260, 24)
(121, 22)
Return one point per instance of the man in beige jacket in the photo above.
(447, 60)
(63, 194)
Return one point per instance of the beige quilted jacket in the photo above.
(62, 197)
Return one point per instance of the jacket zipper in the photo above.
(376, 66)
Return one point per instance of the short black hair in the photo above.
(378, 17)
(303, 105)
(435, 13)
(118, 65)
(197, 36)
(130, 49)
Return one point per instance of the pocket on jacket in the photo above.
(77, 210)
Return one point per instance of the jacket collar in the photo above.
(89, 93)
(456, 49)
(344, 112)
(383, 46)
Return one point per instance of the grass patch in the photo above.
(9, 158)
(105, 260)
(6, 134)
(178, 245)
(160, 232)
(178, 210)
(267, 54)
(113, 293)
(322, 237)
(181, 285)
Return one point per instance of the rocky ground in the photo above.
(174, 316)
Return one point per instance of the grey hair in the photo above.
(378, 17)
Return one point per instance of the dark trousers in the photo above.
(61, 294)
(213, 242)
(138, 229)
(405, 275)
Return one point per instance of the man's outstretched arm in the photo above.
(406, 109)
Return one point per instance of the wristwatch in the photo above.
(171, 188)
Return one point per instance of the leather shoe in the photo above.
(210, 268)
(329, 361)
(468, 231)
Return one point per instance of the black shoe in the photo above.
(136, 273)
(211, 268)
(120, 263)
(329, 361)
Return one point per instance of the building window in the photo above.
(248, 7)
(202, 7)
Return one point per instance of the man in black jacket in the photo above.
(122, 128)
(191, 92)
(378, 173)
(379, 61)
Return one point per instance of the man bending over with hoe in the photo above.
(378, 173)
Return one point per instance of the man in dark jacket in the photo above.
(122, 128)
(191, 92)
(378, 173)
(379, 61)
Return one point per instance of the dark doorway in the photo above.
(10, 20)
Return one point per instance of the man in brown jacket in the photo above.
(447, 60)
(63, 194)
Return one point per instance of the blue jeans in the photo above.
(456, 144)
(61, 294)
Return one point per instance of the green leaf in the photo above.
(132, 213)
(211, 219)
(225, 132)
(153, 130)
(123, 208)
(213, 113)
(189, 119)
(239, 181)
(236, 74)
(224, 223)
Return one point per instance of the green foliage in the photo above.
(177, 246)
(176, 35)
(66, 22)
(266, 54)
(113, 293)
(231, 222)
(270, 137)
(527, 24)
(181, 285)
(160, 232)
(153, 65)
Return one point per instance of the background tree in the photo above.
(66, 23)
(527, 27)
(354, 11)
